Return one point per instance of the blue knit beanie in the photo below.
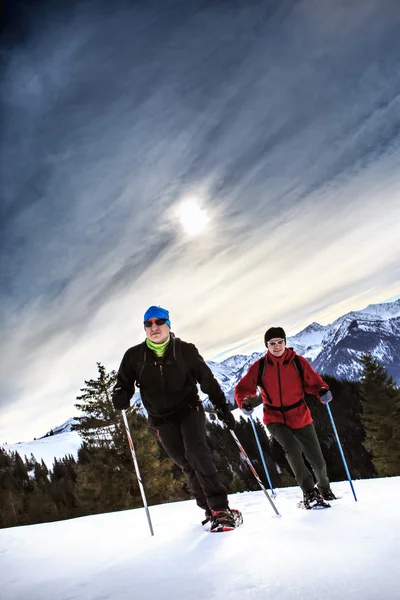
(156, 312)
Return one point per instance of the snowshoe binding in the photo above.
(313, 500)
(225, 520)
(208, 516)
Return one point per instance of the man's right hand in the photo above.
(224, 414)
(247, 407)
(120, 399)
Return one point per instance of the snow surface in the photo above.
(347, 552)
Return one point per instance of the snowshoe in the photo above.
(313, 500)
(225, 520)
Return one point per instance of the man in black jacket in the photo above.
(167, 371)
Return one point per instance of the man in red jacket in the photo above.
(284, 377)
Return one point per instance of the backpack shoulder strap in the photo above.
(178, 355)
(299, 367)
(141, 362)
(261, 369)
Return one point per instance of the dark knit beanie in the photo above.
(274, 332)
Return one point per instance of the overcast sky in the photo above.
(282, 119)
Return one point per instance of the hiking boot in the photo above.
(329, 495)
(225, 520)
(312, 499)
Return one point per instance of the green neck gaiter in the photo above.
(159, 349)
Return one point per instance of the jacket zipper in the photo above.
(280, 393)
(163, 384)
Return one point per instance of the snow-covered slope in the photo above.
(48, 448)
(347, 552)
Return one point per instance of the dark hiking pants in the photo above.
(185, 443)
(297, 442)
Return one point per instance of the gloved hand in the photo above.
(224, 414)
(120, 399)
(247, 407)
(325, 395)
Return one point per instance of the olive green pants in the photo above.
(297, 442)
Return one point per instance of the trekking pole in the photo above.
(135, 462)
(242, 451)
(341, 451)
(273, 493)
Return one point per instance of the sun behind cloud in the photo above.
(192, 217)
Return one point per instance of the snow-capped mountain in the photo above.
(64, 428)
(334, 349)
(231, 369)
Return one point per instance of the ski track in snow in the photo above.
(348, 552)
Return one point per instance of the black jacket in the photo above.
(168, 390)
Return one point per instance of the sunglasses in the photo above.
(280, 342)
(156, 321)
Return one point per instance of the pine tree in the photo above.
(63, 479)
(381, 403)
(16, 488)
(8, 486)
(98, 419)
(42, 508)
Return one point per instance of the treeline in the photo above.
(102, 477)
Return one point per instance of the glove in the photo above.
(325, 395)
(224, 414)
(120, 399)
(247, 407)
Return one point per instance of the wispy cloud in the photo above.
(282, 117)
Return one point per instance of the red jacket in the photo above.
(282, 387)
